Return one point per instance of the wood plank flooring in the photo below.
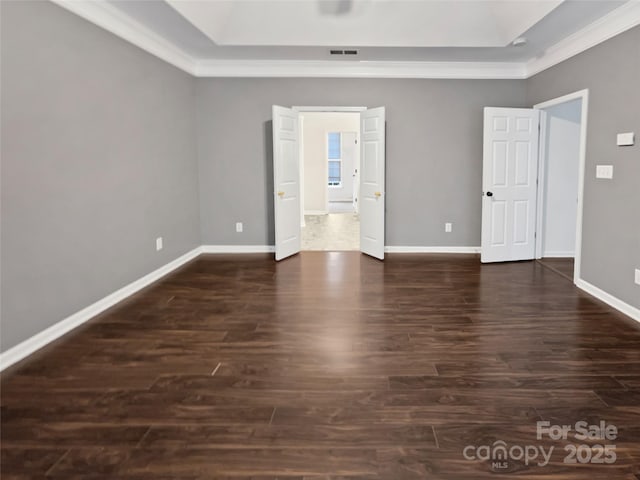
(562, 266)
(329, 365)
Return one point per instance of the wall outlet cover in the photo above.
(638, 276)
(604, 171)
(158, 244)
(239, 227)
(625, 139)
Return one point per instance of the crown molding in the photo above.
(106, 16)
(357, 69)
(617, 21)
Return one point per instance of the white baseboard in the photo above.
(609, 299)
(238, 248)
(316, 212)
(39, 340)
(558, 254)
(388, 249)
(416, 249)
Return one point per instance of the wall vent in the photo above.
(343, 52)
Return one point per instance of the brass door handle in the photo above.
(280, 194)
(378, 194)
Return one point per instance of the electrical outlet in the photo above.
(158, 244)
(239, 227)
(638, 276)
(447, 227)
(604, 171)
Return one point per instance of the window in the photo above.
(334, 148)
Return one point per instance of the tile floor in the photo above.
(334, 231)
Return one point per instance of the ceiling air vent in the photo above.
(343, 52)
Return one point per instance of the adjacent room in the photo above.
(330, 159)
(319, 239)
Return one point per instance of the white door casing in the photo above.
(286, 181)
(372, 182)
(509, 184)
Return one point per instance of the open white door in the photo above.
(509, 184)
(371, 198)
(286, 181)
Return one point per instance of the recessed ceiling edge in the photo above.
(109, 18)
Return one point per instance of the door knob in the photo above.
(489, 194)
(377, 194)
(280, 194)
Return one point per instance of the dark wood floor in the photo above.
(562, 266)
(327, 366)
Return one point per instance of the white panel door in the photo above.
(371, 198)
(286, 181)
(509, 174)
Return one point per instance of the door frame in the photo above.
(582, 95)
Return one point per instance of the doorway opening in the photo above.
(533, 181)
(561, 178)
(329, 165)
(288, 171)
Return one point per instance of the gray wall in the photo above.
(102, 143)
(434, 152)
(98, 159)
(611, 220)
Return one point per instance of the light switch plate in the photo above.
(637, 279)
(625, 139)
(604, 171)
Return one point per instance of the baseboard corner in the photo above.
(36, 342)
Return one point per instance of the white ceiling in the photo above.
(394, 38)
(364, 23)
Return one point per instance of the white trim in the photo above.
(238, 248)
(104, 15)
(328, 109)
(316, 212)
(584, 95)
(418, 249)
(617, 21)
(558, 254)
(39, 340)
(541, 186)
(359, 69)
(301, 164)
(609, 299)
(563, 99)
